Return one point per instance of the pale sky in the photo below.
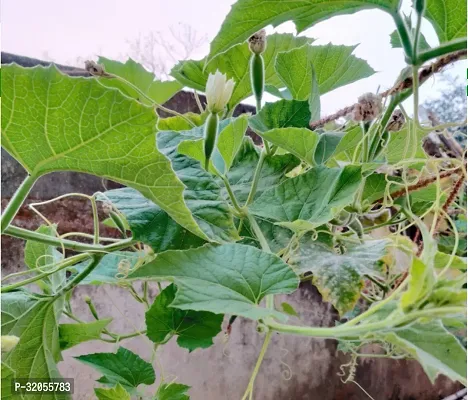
(66, 31)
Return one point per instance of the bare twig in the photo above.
(407, 83)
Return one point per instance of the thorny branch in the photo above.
(407, 83)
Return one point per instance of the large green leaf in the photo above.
(404, 143)
(226, 279)
(172, 391)
(249, 16)
(7, 375)
(74, 334)
(116, 393)
(281, 114)
(33, 320)
(123, 367)
(438, 351)
(327, 145)
(242, 171)
(312, 196)
(448, 18)
(53, 122)
(339, 277)
(301, 142)
(194, 329)
(133, 72)
(235, 64)
(334, 66)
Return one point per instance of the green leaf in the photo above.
(327, 145)
(438, 351)
(242, 171)
(116, 393)
(442, 260)
(172, 391)
(133, 72)
(195, 329)
(339, 277)
(107, 271)
(448, 18)
(226, 279)
(403, 143)
(395, 41)
(38, 255)
(301, 142)
(53, 122)
(7, 375)
(281, 114)
(74, 334)
(277, 237)
(235, 64)
(123, 367)
(312, 196)
(421, 281)
(33, 320)
(289, 309)
(248, 16)
(314, 98)
(180, 124)
(229, 142)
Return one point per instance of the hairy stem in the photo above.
(17, 201)
(442, 50)
(256, 177)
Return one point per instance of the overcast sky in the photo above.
(65, 31)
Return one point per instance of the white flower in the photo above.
(218, 91)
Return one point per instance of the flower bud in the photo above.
(218, 91)
(257, 42)
(368, 107)
(8, 343)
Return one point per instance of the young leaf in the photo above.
(438, 351)
(32, 319)
(195, 329)
(133, 72)
(448, 18)
(441, 260)
(248, 16)
(123, 367)
(339, 277)
(118, 392)
(289, 309)
(421, 281)
(60, 123)
(243, 168)
(395, 41)
(281, 114)
(312, 196)
(301, 142)
(235, 64)
(73, 334)
(172, 391)
(226, 279)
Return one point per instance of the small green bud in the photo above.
(420, 6)
(262, 328)
(211, 133)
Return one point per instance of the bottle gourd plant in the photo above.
(223, 225)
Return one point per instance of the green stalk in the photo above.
(231, 194)
(25, 234)
(17, 201)
(442, 50)
(64, 264)
(261, 356)
(256, 177)
(346, 331)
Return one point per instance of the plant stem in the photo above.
(258, 232)
(346, 331)
(231, 194)
(250, 386)
(95, 259)
(256, 177)
(417, 33)
(68, 244)
(404, 35)
(17, 201)
(66, 263)
(95, 220)
(446, 48)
